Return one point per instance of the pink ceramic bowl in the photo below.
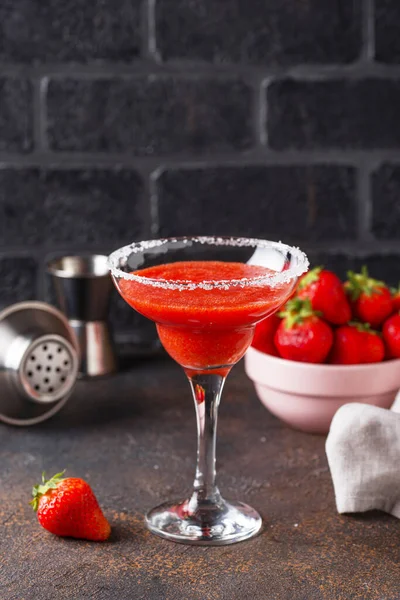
(306, 396)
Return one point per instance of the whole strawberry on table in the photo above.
(68, 507)
(327, 321)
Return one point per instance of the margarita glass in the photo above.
(206, 294)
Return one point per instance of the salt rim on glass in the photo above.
(299, 267)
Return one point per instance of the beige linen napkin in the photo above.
(363, 450)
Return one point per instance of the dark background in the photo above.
(122, 119)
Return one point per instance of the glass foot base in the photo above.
(210, 524)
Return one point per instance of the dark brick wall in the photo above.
(128, 119)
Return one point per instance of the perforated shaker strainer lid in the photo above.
(38, 362)
(47, 369)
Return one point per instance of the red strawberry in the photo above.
(326, 293)
(264, 335)
(391, 336)
(346, 346)
(68, 507)
(371, 299)
(302, 335)
(373, 348)
(396, 298)
(356, 343)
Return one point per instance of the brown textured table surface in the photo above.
(133, 438)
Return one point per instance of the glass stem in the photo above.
(207, 389)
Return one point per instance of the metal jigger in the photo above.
(83, 289)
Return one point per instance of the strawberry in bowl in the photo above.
(396, 298)
(356, 344)
(371, 299)
(326, 294)
(391, 335)
(336, 343)
(302, 335)
(264, 334)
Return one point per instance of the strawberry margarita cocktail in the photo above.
(204, 328)
(206, 295)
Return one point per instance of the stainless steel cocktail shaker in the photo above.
(39, 358)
